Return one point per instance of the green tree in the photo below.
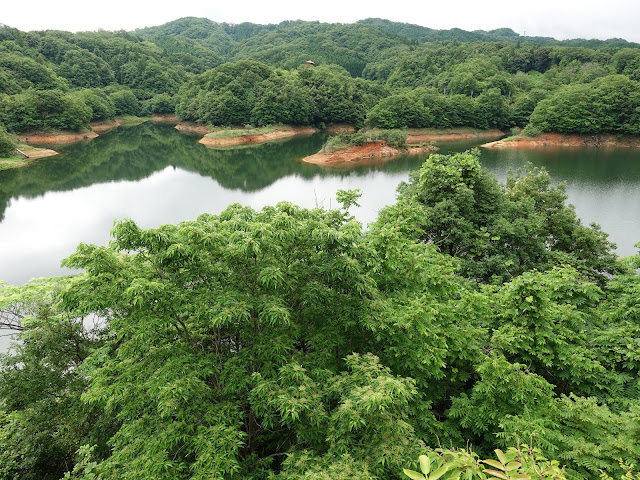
(233, 333)
(491, 110)
(99, 102)
(7, 145)
(283, 99)
(25, 72)
(45, 421)
(572, 109)
(497, 233)
(125, 102)
(160, 103)
(85, 69)
(399, 111)
(45, 109)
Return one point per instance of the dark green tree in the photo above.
(7, 144)
(497, 232)
(44, 420)
(399, 111)
(125, 102)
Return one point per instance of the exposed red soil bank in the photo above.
(55, 138)
(101, 127)
(415, 136)
(550, 140)
(360, 152)
(256, 139)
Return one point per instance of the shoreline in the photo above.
(416, 135)
(256, 139)
(574, 140)
(56, 138)
(66, 137)
(368, 151)
(32, 152)
(164, 118)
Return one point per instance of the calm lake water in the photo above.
(154, 174)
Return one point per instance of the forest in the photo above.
(475, 330)
(372, 73)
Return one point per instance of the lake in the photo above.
(154, 174)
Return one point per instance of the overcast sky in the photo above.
(555, 18)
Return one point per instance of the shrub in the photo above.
(531, 131)
(7, 144)
(393, 138)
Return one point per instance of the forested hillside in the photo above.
(374, 72)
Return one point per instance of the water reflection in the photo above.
(602, 183)
(155, 174)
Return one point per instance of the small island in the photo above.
(234, 137)
(347, 148)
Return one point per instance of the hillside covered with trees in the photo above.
(375, 72)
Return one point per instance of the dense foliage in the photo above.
(394, 138)
(290, 343)
(384, 74)
(7, 144)
(498, 232)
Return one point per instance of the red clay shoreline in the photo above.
(61, 138)
(559, 140)
(416, 136)
(256, 139)
(356, 153)
(65, 137)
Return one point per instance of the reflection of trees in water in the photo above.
(591, 166)
(135, 152)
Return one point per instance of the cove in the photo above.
(154, 174)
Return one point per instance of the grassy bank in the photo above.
(246, 131)
(18, 160)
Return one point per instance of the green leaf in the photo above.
(494, 463)
(496, 474)
(413, 475)
(512, 466)
(425, 464)
(499, 453)
(438, 473)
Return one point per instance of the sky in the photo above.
(560, 19)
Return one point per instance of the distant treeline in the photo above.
(374, 72)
